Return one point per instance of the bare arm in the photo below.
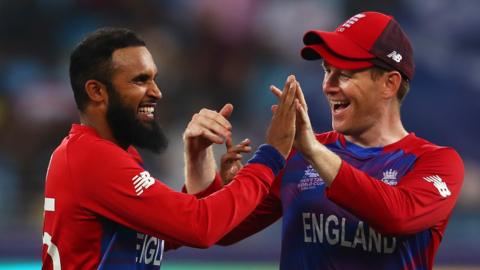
(205, 128)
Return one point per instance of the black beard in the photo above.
(128, 130)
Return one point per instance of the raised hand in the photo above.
(305, 139)
(230, 163)
(281, 131)
(325, 162)
(205, 128)
(208, 127)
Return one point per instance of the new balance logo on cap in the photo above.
(395, 56)
(142, 181)
(439, 184)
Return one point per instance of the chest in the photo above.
(303, 188)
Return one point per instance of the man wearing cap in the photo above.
(368, 194)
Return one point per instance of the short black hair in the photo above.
(92, 58)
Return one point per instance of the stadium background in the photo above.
(210, 52)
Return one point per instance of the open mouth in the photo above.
(339, 106)
(146, 112)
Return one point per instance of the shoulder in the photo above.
(432, 157)
(411, 144)
(91, 145)
(87, 152)
(328, 137)
(424, 148)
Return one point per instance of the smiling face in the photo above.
(355, 100)
(133, 95)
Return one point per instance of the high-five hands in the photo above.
(325, 162)
(281, 131)
(305, 140)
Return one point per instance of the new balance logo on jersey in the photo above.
(439, 184)
(142, 181)
(390, 177)
(395, 56)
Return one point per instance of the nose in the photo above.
(154, 91)
(330, 83)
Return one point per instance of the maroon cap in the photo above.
(364, 40)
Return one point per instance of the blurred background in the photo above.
(210, 52)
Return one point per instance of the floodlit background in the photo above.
(210, 52)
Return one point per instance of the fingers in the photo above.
(300, 96)
(215, 121)
(228, 143)
(303, 120)
(227, 110)
(274, 108)
(277, 92)
(242, 147)
(302, 113)
(287, 88)
(286, 102)
(281, 131)
(218, 117)
(291, 82)
(197, 131)
(230, 157)
(289, 98)
(233, 152)
(210, 126)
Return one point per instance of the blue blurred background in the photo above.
(210, 52)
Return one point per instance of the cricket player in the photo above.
(103, 209)
(369, 194)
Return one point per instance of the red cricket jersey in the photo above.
(387, 208)
(103, 210)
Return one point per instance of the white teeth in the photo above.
(335, 102)
(148, 110)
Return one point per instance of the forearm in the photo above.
(325, 162)
(199, 169)
(207, 220)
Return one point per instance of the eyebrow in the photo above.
(144, 77)
(141, 77)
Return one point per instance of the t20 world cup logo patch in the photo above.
(310, 179)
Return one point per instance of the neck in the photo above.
(386, 131)
(101, 126)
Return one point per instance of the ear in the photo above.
(392, 81)
(96, 91)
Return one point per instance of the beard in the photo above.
(129, 130)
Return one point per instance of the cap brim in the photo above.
(338, 43)
(319, 51)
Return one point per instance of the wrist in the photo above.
(194, 152)
(269, 156)
(313, 151)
